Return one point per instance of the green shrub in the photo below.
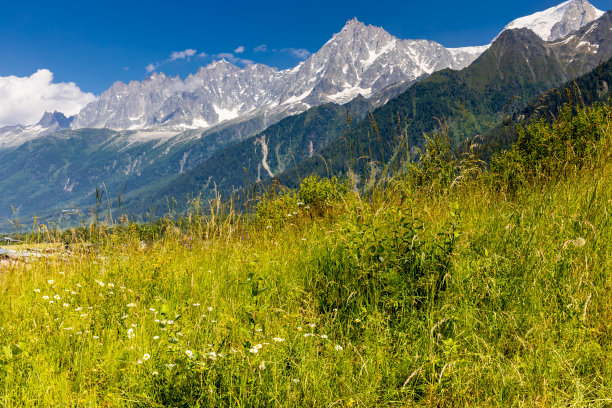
(315, 197)
(320, 194)
(387, 261)
(546, 150)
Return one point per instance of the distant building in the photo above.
(10, 240)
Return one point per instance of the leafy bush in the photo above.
(321, 194)
(387, 261)
(546, 150)
(316, 197)
(275, 210)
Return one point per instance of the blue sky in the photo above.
(96, 43)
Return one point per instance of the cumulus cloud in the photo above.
(234, 59)
(186, 54)
(152, 67)
(261, 48)
(299, 53)
(23, 100)
(239, 50)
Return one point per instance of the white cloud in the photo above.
(186, 54)
(233, 59)
(175, 56)
(299, 53)
(23, 100)
(239, 50)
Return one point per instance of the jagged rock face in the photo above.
(56, 120)
(359, 60)
(578, 14)
(363, 60)
(11, 136)
(558, 21)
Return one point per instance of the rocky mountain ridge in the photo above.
(359, 60)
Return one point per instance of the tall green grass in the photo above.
(447, 285)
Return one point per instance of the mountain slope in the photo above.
(518, 67)
(583, 91)
(255, 159)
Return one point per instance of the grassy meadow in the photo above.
(448, 283)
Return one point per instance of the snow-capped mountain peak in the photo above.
(360, 59)
(558, 21)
